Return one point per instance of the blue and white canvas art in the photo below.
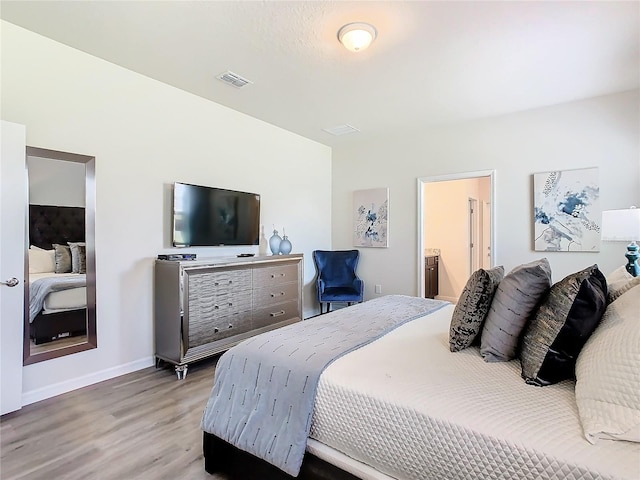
(371, 220)
(567, 211)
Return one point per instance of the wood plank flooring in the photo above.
(144, 425)
(56, 344)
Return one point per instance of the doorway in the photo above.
(456, 221)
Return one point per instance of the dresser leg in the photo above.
(181, 371)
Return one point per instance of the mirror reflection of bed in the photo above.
(57, 275)
(60, 293)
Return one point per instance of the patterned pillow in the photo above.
(77, 256)
(472, 307)
(619, 281)
(513, 303)
(82, 259)
(563, 323)
(607, 374)
(62, 258)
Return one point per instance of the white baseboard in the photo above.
(34, 396)
(448, 299)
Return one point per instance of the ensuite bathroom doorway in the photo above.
(456, 224)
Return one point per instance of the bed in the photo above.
(404, 406)
(57, 277)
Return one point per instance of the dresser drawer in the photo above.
(265, 316)
(275, 275)
(272, 295)
(205, 330)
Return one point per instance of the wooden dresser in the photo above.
(204, 307)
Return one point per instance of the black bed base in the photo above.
(220, 456)
(53, 326)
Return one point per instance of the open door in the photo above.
(485, 235)
(13, 192)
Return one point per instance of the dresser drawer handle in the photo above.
(277, 314)
(216, 307)
(273, 275)
(274, 294)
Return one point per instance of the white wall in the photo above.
(146, 135)
(600, 132)
(56, 182)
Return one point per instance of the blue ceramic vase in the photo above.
(274, 243)
(285, 246)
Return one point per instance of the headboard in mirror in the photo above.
(49, 224)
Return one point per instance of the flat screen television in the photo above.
(208, 216)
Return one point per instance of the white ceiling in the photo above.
(432, 63)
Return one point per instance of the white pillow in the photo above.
(41, 261)
(608, 374)
(619, 281)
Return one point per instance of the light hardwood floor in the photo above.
(56, 344)
(144, 425)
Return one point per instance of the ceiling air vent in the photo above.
(341, 130)
(233, 79)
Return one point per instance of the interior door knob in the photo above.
(12, 282)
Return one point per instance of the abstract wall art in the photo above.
(567, 212)
(371, 217)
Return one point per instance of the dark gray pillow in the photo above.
(82, 259)
(76, 254)
(62, 258)
(472, 307)
(563, 323)
(513, 304)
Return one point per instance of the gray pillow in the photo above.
(82, 259)
(472, 307)
(76, 254)
(62, 258)
(565, 320)
(514, 302)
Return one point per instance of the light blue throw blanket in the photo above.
(264, 391)
(40, 288)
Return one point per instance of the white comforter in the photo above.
(410, 408)
(70, 299)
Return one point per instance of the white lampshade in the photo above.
(621, 225)
(357, 36)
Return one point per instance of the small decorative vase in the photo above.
(274, 242)
(285, 245)
(262, 245)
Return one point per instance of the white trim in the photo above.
(49, 391)
(448, 299)
(445, 178)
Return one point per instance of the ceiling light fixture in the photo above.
(357, 36)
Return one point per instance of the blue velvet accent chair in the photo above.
(337, 281)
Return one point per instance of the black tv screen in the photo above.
(207, 216)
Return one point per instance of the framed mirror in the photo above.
(60, 291)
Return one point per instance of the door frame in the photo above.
(422, 182)
(474, 240)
